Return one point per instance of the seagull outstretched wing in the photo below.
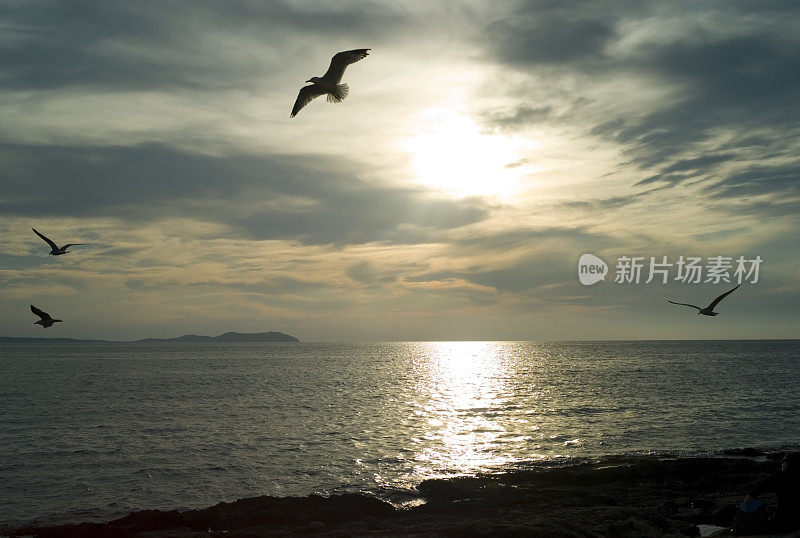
(52, 245)
(340, 61)
(41, 313)
(305, 96)
(685, 304)
(65, 247)
(716, 301)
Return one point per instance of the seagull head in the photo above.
(314, 80)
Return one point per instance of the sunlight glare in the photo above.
(453, 155)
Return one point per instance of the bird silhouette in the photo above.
(46, 319)
(55, 250)
(709, 310)
(329, 83)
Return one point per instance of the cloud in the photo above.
(759, 180)
(551, 33)
(730, 88)
(563, 238)
(313, 200)
(520, 264)
(517, 117)
(158, 133)
(721, 93)
(366, 272)
(603, 204)
(119, 45)
(764, 190)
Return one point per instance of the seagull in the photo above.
(55, 250)
(329, 82)
(46, 320)
(709, 310)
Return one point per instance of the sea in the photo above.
(93, 431)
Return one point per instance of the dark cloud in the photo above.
(760, 180)
(313, 200)
(551, 33)
(735, 86)
(522, 276)
(366, 272)
(732, 73)
(716, 235)
(518, 117)
(602, 204)
(698, 163)
(545, 258)
(274, 285)
(683, 169)
(136, 45)
(532, 239)
(24, 260)
(435, 276)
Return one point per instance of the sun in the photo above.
(452, 154)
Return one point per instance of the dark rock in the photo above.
(723, 516)
(691, 530)
(748, 452)
(616, 496)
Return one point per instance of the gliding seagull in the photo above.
(55, 249)
(329, 82)
(46, 320)
(709, 310)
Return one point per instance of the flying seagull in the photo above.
(55, 250)
(709, 310)
(329, 82)
(46, 320)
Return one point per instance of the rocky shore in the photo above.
(617, 496)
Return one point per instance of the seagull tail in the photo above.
(339, 94)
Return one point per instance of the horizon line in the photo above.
(139, 340)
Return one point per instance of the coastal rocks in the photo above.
(271, 510)
(615, 496)
(746, 452)
(635, 528)
(314, 512)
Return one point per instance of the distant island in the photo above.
(34, 340)
(271, 336)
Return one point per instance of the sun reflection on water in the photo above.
(461, 402)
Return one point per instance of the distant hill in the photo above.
(270, 336)
(33, 340)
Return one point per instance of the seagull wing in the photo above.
(685, 304)
(52, 245)
(305, 96)
(340, 61)
(41, 313)
(716, 301)
(70, 245)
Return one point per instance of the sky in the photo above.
(483, 149)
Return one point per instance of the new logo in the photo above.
(591, 269)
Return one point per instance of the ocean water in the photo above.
(94, 431)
